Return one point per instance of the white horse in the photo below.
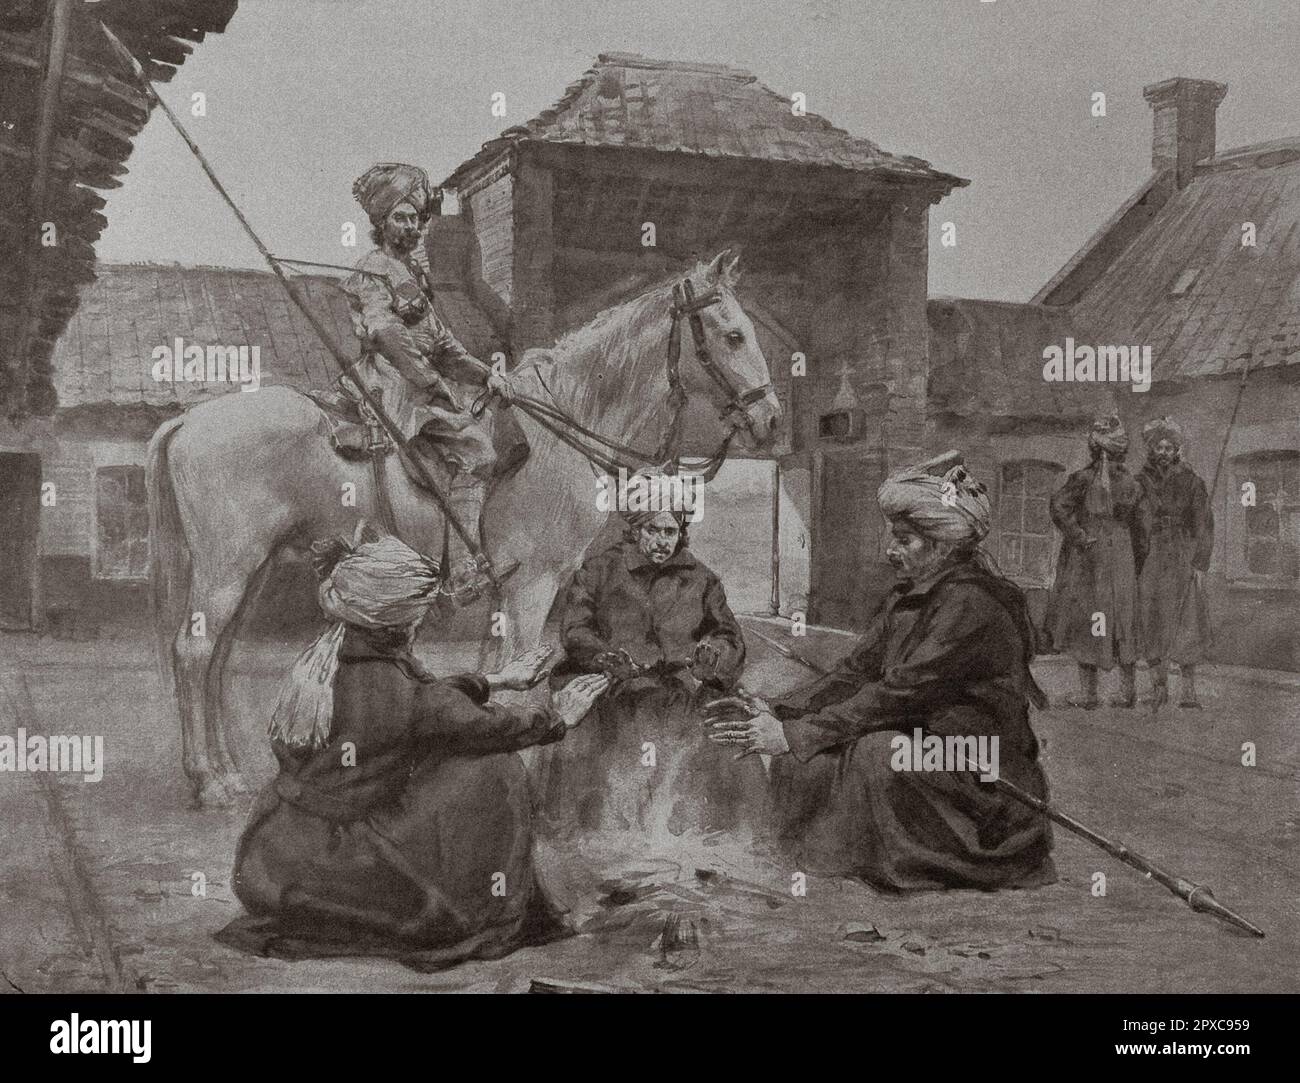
(235, 480)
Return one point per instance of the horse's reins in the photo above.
(616, 455)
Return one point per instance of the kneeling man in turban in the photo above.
(947, 659)
(400, 823)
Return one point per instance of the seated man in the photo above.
(656, 621)
(400, 822)
(950, 655)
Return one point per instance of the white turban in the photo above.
(377, 584)
(939, 499)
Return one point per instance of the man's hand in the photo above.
(762, 733)
(574, 700)
(746, 720)
(523, 672)
(498, 383)
(703, 662)
(617, 665)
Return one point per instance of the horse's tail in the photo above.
(168, 551)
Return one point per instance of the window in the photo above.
(1266, 547)
(122, 520)
(1025, 523)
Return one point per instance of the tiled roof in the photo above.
(628, 100)
(986, 360)
(105, 354)
(1188, 287)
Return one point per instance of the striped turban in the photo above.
(367, 584)
(382, 187)
(939, 499)
(1162, 428)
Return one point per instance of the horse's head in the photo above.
(721, 359)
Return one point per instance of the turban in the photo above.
(373, 584)
(1108, 436)
(1162, 428)
(382, 187)
(1107, 440)
(676, 494)
(938, 498)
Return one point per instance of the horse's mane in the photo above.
(613, 340)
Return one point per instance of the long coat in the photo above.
(408, 835)
(1101, 577)
(434, 394)
(951, 658)
(1174, 608)
(603, 776)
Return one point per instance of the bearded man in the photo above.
(1171, 588)
(429, 380)
(950, 656)
(655, 620)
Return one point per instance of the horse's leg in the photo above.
(526, 608)
(216, 706)
(216, 590)
(189, 669)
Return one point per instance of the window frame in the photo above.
(1237, 568)
(100, 571)
(1057, 472)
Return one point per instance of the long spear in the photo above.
(1197, 896)
(324, 335)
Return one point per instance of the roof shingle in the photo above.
(628, 100)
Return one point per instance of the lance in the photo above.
(1197, 896)
(324, 335)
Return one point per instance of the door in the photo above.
(846, 578)
(20, 509)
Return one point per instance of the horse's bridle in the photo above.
(686, 304)
(557, 421)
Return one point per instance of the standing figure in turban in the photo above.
(1171, 589)
(948, 656)
(428, 379)
(655, 620)
(1105, 526)
(399, 824)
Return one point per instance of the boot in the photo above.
(1187, 676)
(1087, 698)
(1159, 683)
(465, 577)
(1127, 687)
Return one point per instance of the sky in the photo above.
(303, 95)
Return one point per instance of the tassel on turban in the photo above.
(1162, 428)
(939, 499)
(1107, 440)
(371, 584)
(382, 187)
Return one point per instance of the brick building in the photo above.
(834, 231)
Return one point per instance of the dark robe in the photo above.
(621, 599)
(950, 657)
(422, 850)
(1102, 577)
(1173, 605)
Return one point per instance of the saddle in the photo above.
(356, 435)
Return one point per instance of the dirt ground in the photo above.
(96, 879)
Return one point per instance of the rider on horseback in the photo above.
(427, 377)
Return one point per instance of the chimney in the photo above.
(1183, 131)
